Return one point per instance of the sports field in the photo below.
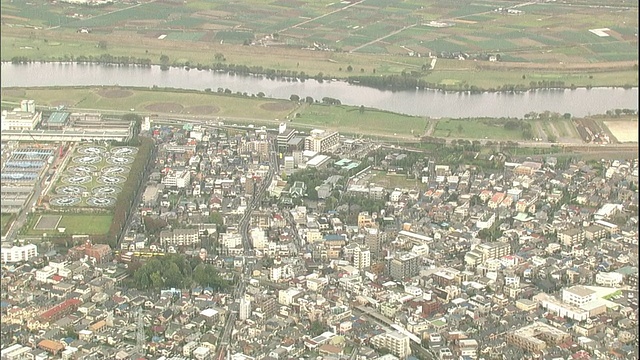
(76, 224)
(48, 222)
(326, 36)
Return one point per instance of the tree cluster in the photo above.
(176, 271)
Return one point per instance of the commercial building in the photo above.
(18, 253)
(56, 121)
(177, 178)
(397, 343)
(245, 309)
(24, 118)
(321, 141)
(284, 136)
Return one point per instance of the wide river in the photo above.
(432, 103)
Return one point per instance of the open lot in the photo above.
(47, 222)
(550, 36)
(392, 181)
(623, 130)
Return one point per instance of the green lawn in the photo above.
(5, 220)
(350, 120)
(143, 101)
(86, 224)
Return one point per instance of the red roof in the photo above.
(56, 309)
(57, 278)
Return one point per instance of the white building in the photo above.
(177, 178)
(396, 342)
(19, 253)
(258, 238)
(361, 257)
(609, 279)
(230, 240)
(179, 237)
(321, 141)
(245, 309)
(46, 272)
(20, 120)
(577, 295)
(288, 296)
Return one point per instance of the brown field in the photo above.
(277, 106)
(13, 92)
(624, 131)
(114, 93)
(201, 110)
(165, 107)
(67, 103)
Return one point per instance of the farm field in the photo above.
(387, 37)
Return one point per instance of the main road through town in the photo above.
(243, 229)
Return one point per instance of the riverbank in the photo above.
(396, 72)
(242, 108)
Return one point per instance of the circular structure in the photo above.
(101, 201)
(82, 169)
(115, 170)
(87, 159)
(105, 190)
(120, 160)
(64, 200)
(111, 180)
(124, 150)
(70, 190)
(92, 150)
(77, 179)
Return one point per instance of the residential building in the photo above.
(177, 178)
(571, 236)
(179, 237)
(404, 265)
(361, 257)
(394, 341)
(534, 337)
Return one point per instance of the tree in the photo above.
(567, 116)
(349, 68)
(294, 97)
(309, 100)
(261, 94)
(164, 59)
(219, 57)
(316, 328)
(361, 109)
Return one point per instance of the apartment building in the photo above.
(396, 342)
(179, 237)
(321, 141)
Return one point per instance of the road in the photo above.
(321, 16)
(243, 229)
(382, 37)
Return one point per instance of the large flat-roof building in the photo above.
(18, 253)
(321, 141)
(57, 120)
(535, 337)
(19, 120)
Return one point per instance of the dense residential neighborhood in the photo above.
(248, 244)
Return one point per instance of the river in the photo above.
(432, 103)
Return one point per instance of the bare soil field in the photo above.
(165, 107)
(624, 131)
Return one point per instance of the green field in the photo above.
(86, 224)
(474, 129)
(149, 102)
(5, 220)
(349, 119)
